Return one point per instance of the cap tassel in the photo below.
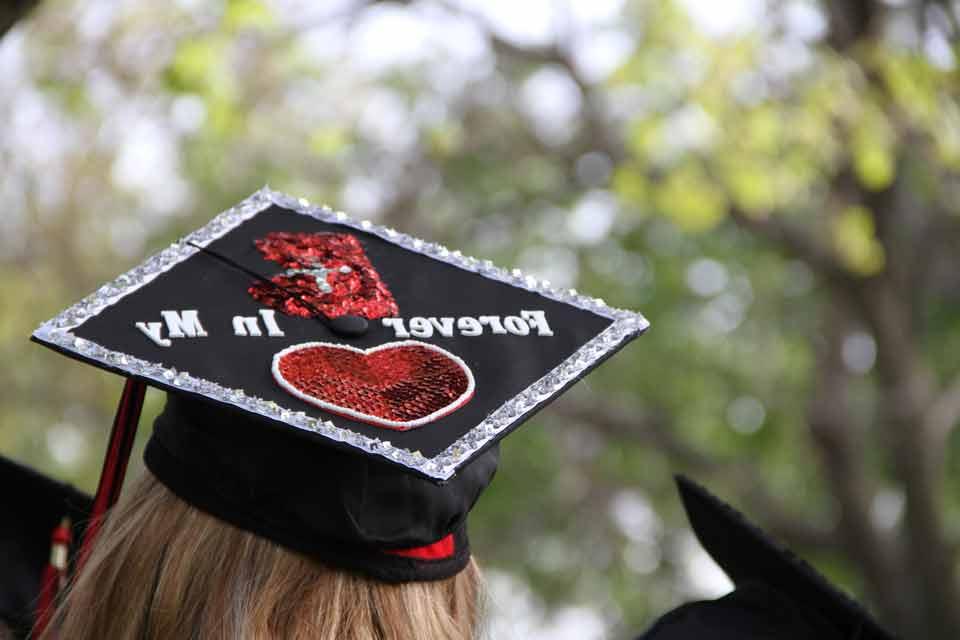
(54, 574)
(115, 463)
(108, 491)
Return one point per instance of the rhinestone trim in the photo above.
(58, 331)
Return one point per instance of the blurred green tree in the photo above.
(776, 191)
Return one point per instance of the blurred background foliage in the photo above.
(774, 183)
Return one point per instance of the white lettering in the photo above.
(397, 325)
(186, 324)
(270, 320)
(444, 326)
(153, 331)
(516, 325)
(420, 327)
(246, 326)
(183, 324)
(469, 326)
(527, 323)
(538, 321)
(493, 322)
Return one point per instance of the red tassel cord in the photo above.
(108, 491)
(115, 463)
(54, 574)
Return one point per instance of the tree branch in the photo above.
(635, 425)
(831, 427)
(797, 243)
(13, 10)
(597, 133)
(950, 12)
(906, 393)
(850, 21)
(944, 413)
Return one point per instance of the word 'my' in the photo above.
(420, 327)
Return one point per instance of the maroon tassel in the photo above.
(54, 575)
(115, 463)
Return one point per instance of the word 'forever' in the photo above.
(420, 327)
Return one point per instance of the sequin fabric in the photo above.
(329, 272)
(399, 384)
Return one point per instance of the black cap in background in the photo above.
(33, 506)
(777, 594)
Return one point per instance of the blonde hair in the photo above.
(162, 569)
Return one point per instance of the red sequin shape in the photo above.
(400, 385)
(348, 284)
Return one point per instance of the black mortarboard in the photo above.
(456, 354)
(777, 594)
(33, 509)
(280, 325)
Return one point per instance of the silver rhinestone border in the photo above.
(58, 331)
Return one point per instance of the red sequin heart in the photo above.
(398, 385)
(325, 272)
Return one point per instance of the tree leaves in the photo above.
(854, 238)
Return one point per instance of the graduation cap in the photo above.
(344, 330)
(40, 516)
(280, 325)
(777, 594)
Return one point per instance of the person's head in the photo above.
(238, 530)
(164, 569)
